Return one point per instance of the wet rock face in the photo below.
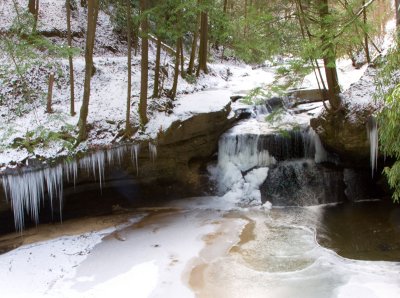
(345, 133)
(303, 183)
(186, 147)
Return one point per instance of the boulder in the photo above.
(345, 133)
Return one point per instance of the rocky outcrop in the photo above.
(185, 148)
(345, 133)
(171, 167)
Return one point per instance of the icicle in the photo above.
(135, 154)
(372, 130)
(315, 145)
(94, 163)
(98, 162)
(54, 181)
(71, 171)
(152, 152)
(25, 192)
(115, 156)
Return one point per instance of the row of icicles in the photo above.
(27, 190)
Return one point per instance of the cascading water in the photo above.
(248, 151)
(26, 190)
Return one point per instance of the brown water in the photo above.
(362, 231)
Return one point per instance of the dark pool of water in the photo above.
(363, 231)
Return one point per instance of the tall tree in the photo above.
(176, 71)
(92, 14)
(366, 45)
(33, 7)
(70, 59)
(144, 63)
(397, 13)
(194, 47)
(203, 48)
(128, 129)
(156, 87)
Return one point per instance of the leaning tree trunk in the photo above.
(144, 65)
(156, 89)
(329, 58)
(92, 11)
(128, 129)
(70, 59)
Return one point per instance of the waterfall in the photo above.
(243, 150)
(372, 130)
(245, 156)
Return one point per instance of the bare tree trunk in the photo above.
(128, 129)
(329, 59)
(50, 93)
(245, 18)
(224, 10)
(203, 49)
(92, 11)
(156, 89)
(176, 73)
(32, 6)
(182, 59)
(144, 64)
(366, 47)
(70, 60)
(135, 37)
(194, 46)
(397, 7)
(36, 16)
